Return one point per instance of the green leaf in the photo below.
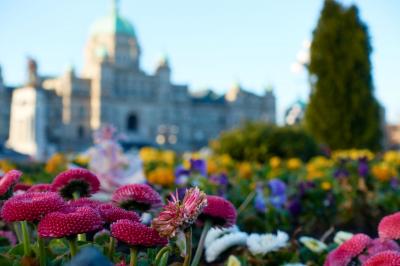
(17, 250)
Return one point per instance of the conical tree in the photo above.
(342, 112)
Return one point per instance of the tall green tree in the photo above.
(342, 112)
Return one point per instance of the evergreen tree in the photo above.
(342, 112)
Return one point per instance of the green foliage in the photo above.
(260, 141)
(342, 112)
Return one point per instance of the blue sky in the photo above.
(211, 44)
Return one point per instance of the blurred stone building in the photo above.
(61, 113)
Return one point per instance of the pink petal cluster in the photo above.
(389, 226)
(31, 206)
(386, 258)
(178, 215)
(40, 188)
(8, 181)
(111, 213)
(78, 180)
(136, 234)
(350, 249)
(21, 187)
(70, 223)
(85, 202)
(139, 195)
(220, 211)
(378, 245)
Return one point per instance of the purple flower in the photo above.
(260, 203)
(394, 183)
(278, 193)
(198, 165)
(295, 206)
(341, 171)
(181, 175)
(304, 186)
(363, 167)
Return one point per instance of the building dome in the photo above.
(113, 24)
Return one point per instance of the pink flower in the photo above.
(139, 197)
(378, 245)
(389, 226)
(31, 206)
(21, 187)
(7, 183)
(80, 182)
(40, 188)
(350, 249)
(385, 258)
(178, 215)
(136, 234)
(9, 236)
(220, 211)
(70, 222)
(85, 202)
(111, 213)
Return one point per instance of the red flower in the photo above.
(31, 206)
(178, 215)
(350, 249)
(21, 187)
(7, 183)
(136, 234)
(389, 226)
(386, 258)
(137, 197)
(40, 188)
(76, 181)
(84, 202)
(70, 222)
(378, 245)
(111, 213)
(220, 211)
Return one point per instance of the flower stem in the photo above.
(188, 235)
(200, 246)
(25, 238)
(42, 251)
(246, 202)
(111, 246)
(161, 253)
(73, 247)
(17, 230)
(81, 237)
(133, 256)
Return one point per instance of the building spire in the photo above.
(115, 7)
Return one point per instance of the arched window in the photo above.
(132, 122)
(81, 132)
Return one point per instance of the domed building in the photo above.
(62, 112)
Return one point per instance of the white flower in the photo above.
(341, 237)
(215, 233)
(313, 244)
(223, 243)
(262, 244)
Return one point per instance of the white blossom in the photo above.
(223, 243)
(313, 244)
(261, 244)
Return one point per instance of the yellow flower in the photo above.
(353, 154)
(383, 171)
(233, 261)
(245, 170)
(6, 166)
(168, 157)
(56, 163)
(275, 162)
(212, 167)
(392, 157)
(326, 185)
(161, 176)
(293, 163)
(317, 167)
(225, 160)
(148, 154)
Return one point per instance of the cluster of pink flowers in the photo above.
(363, 250)
(65, 208)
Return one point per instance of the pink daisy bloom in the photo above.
(139, 197)
(77, 182)
(7, 183)
(31, 206)
(220, 211)
(136, 234)
(378, 245)
(389, 226)
(9, 236)
(21, 187)
(40, 188)
(178, 215)
(350, 249)
(85, 202)
(70, 223)
(385, 258)
(111, 213)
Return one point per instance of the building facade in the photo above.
(61, 113)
